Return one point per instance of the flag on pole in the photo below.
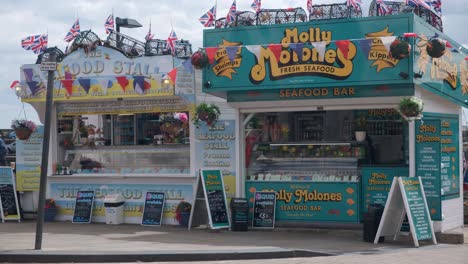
(74, 31)
(436, 6)
(257, 5)
(149, 36)
(40, 45)
(309, 6)
(208, 19)
(383, 8)
(171, 41)
(418, 3)
(354, 3)
(109, 25)
(231, 16)
(28, 41)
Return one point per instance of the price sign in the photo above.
(153, 211)
(264, 210)
(83, 207)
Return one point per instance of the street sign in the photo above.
(48, 66)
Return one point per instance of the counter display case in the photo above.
(169, 159)
(320, 162)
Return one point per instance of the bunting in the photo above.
(365, 45)
(343, 46)
(85, 83)
(231, 52)
(254, 49)
(320, 46)
(140, 85)
(211, 52)
(105, 84)
(123, 81)
(276, 49)
(173, 75)
(297, 48)
(387, 41)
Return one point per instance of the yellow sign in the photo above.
(378, 53)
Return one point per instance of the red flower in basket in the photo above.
(23, 128)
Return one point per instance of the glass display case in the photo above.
(321, 162)
(169, 159)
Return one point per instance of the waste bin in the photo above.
(239, 214)
(372, 221)
(114, 205)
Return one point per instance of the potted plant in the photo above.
(50, 210)
(199, 59)
(435, 47)
(411, 108)
(400, 49)
(360, 128)
(182, 213)
(207, 113)
(23, 128)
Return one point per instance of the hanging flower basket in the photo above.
(400, 49)
(199, 59)
(435, 47)
(23, 128)
(411, 108)
(206, 113)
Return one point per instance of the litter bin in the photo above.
(371, 222)
(239, 214)
(114, 205)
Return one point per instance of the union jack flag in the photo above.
(383, 8)
(171, 41)
(209, 17)
(27, 42)
(231, 16)
(309, 6)
(256, 5)
(437, 6)
(354, 3)
(109, 25)
(149, 36)
(418, 3)
(74, 31)
(40, 45)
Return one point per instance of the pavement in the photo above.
(68, 242)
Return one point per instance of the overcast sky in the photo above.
(19, 19)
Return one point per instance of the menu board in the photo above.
(83, 207)
(215, 198)
(153, 210)
(449, 172)
(418, 214)
(264, 210)
(428, 163)
(9, 201)
(28, 161)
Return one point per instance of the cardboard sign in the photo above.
(215, 198)
(83, 207)
(406, 198)
(153, 211)
(264, 210)
(9, 208)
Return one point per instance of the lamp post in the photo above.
(45, 146)
(126, 23)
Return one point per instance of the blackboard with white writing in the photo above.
(264, 210)
(213, 187)
(8, 198)
(83, 207)
(153, 211)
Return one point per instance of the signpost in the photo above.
(264, 210)
(153, 211)
(215, 198)
(83, 207)
(9, 209)
(406, 197)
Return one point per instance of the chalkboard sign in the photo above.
(264, 210)
(153, 211)
(9, 208)
(83, 207)
(406, 198)
(215, 197)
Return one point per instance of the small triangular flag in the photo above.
(276, 49)
(320, 46)
(231, 52)
(104, 83)
(173, 75)
(365, 45)
(85, 83)
(343, 46)
(211, 52)
(68, 85)
(297, 48)
(123, 81)
(387, 41)
(255, 49)
(139, 84)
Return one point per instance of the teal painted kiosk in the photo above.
(316, 114)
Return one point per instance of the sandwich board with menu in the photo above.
(215, 198)
(9, 208)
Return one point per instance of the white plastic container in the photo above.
(114, 205)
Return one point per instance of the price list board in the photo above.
(83, 207)
(153, 211)
(449, 173)
(428, 163)
(264, 210)
(215, 196)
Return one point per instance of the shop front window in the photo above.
(156, 143)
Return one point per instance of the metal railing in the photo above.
(155, 47)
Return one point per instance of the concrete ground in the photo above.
(67, 242)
